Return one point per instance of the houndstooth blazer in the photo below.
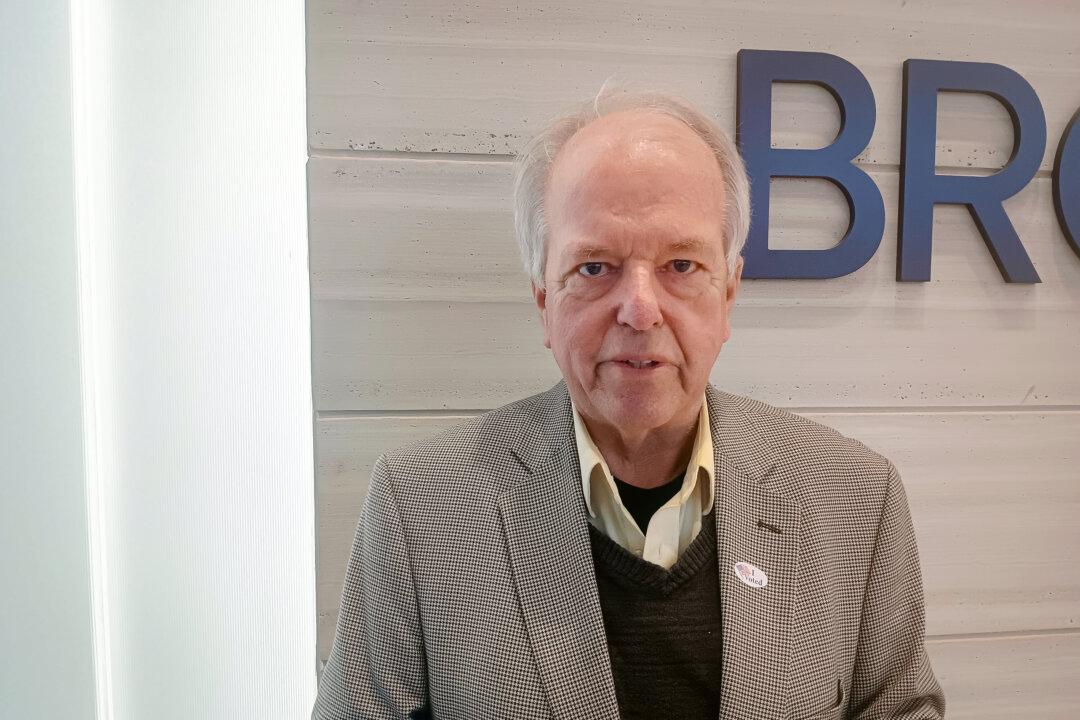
(470, 591)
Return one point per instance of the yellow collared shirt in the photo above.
(674, 525)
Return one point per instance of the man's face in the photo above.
(636, 270)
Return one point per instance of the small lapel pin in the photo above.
(752, 576)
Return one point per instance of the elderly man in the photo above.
(633, 542)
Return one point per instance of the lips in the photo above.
(641, 357)
(639, 362)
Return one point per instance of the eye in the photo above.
(591, 269)
(683, 267)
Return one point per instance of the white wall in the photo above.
(46, 668)
(157, 321)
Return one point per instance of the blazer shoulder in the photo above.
(809, 444)
(471, 448)
(840, 483)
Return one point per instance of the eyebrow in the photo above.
(694, 243)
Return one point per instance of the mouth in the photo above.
(638, 364)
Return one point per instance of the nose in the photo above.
(639, 306)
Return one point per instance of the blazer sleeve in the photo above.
(893, 678)
(377, 668)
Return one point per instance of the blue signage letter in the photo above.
(921, 187)
(758, 70)
(1067, 183)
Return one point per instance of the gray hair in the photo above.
(533, 164)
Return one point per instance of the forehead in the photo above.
(634, 174)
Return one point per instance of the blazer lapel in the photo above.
(756, 524)
(547, 538)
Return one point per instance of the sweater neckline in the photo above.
(635, 571)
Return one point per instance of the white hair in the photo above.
(533, 164)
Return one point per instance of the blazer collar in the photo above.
(550, 426)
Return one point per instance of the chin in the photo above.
(633, 410)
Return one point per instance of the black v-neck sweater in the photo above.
(663, 627)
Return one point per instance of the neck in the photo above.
(646, 458)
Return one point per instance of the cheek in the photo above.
(575, 331)
(701, 336)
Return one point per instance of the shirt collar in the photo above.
(701, 457)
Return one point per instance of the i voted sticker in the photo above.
(752, 576)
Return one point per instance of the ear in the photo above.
(540, 297)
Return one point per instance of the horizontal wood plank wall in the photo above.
(464, 77)
(421, 313)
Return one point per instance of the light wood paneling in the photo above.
(1009, 677)
(482, 77)
(994, 497)
(415, 270)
